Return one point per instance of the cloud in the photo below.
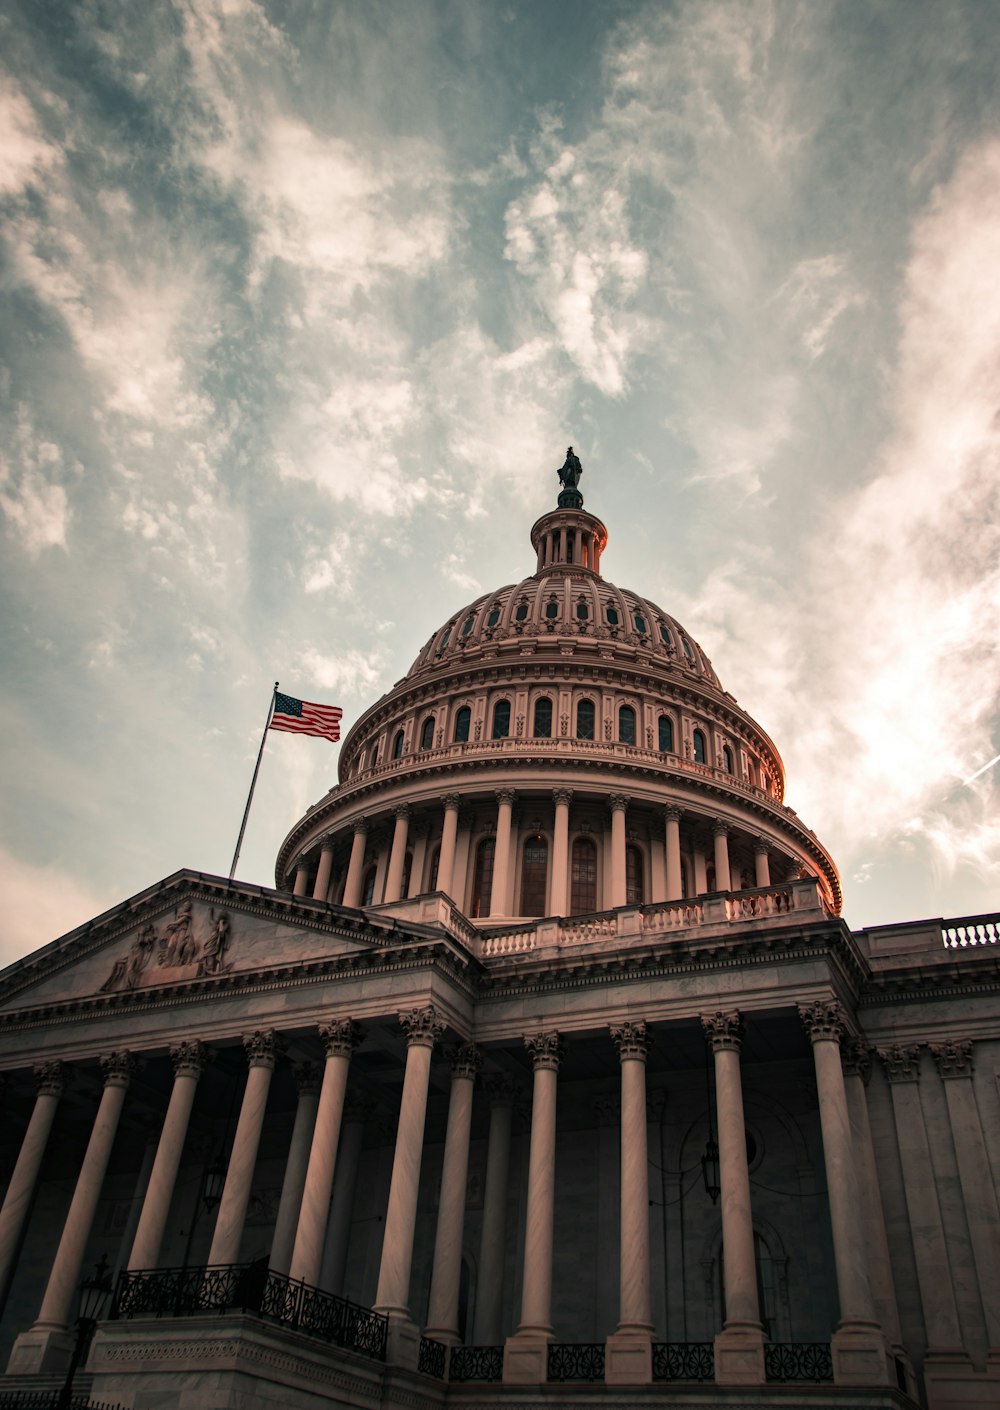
(25, 153)
(34, 504)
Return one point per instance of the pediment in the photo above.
(188, 928)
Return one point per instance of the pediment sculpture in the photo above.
(180, 947)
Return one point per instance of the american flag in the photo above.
(302, 717)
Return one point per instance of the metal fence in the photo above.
(50, 1400)
(576, 1361)
(476, 1363)
(683, 1361)
(798, 1361)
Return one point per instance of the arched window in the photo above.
(582, 610)
(446, 638)
(463, 721)
(543, 718)
(585, 719)
(404, 885)
(397, 745)
(727, 758)
(633, 876)
(665, 729)
(534, 873)
(665, 635)
(482, 877)
(368, 886)
(435, 859)
(612, 617)
(687, 648)
(501, 719)
(552, 609)
(698, 744)
(583, 878)
(626, 724)
(427, 733)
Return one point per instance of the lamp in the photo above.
(94, 1293)
(215, 1179)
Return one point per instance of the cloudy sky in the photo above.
(302, 302)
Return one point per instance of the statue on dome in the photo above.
(569, 477)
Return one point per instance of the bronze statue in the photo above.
(569, 474)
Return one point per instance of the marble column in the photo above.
(526, 1353)
(188, 1059)
(422, 1027)
(301, 884)
(761, 862)
(419, 859)
(945, 1359)
(954, 1061)
(357, 1110)
(307, 1083)
(356, 866)
(340, 1038)
(262, 1050)
(442, 1310)
(562, 798)
(675, 883)
(629, 1354)
(50, 1078)
(397, 857)
(739, 1347)
(322, 884)
(449, 831)
(501, 856)
(489, 1285)
(860, 1354)
(723, 881)
(47, 1347)
(618, 871)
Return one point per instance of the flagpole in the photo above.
(253, 783)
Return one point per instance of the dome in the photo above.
(562, 686)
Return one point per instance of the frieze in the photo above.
(177, 948)
(953, 1057)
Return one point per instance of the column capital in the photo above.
(724, 1030)
(720, 828)
(357, 1106)
(500, 1088)
(562, 797)
(308, 1078)
(402, 810)
(117, 1068)
(901, 1062)
(50, 1078)
(505, 795)
(632, 1039)
(464, 1059)
(360, 824)
(422, 1026)
(546, 1049)
(822, 1020)
(452, 801)
(856, 1059)
(189, 1058)
(263, 1047)
(671, 814)
(953, 1057)
(326, 844)
(618, 802)
(340, 1037)
(761, 846)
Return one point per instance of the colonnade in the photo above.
(456, 863)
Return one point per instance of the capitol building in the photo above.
(546, 1074)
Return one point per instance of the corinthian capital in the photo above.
(822, 1020)
(562, 797)
(855, 1059)
(901, 1062)
(423, 1027)
(546, 1049)
(117, 1068)
(953, 1057)
(632, 1040)
(465, 1060)
(263, 1048)
(340, 1037)
(50, 1078)
(724, 1030)
(189, 1058)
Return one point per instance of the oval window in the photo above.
(582, 611)
(640, 623)
(551, 610)
(493, 618)
(470, 622)
(521, 612)
(612, 617)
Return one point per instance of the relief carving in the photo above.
(177, 947)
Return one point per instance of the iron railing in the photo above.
(251, 1287)
(798, 1361)
(476, 1363)
(683, 1361)
(432, 1357)
(50, 1400)
(576, 1361)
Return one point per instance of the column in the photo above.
(345, 1182)
(419, 860)
(700, 872)
(188, 1059)
(397, 856)
(860, 1355)
(301, 885)
(50, 1078)
(501, 855)
(356, 866)
(340, 1038)
(138, 1199)
(323, 871)
(618, 805)
(562, 798)
(47, 1347)
(525, 1358)
(489, 1299)
(442, 1310)
(739, 1347)
(422, 1027)
(761, 864)
(946, 1364)
(672, 823)
(307, 1083)
(446, 858)
(953, 1059)
(629, 1356)
(262, 1050)
(723, 881)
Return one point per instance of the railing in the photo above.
(251, 1287)
(576, 1361)
(476, 1363)
(683, 1361)
(798, 1361)
(432, 1357)
(976, 930)
(50, 1400)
